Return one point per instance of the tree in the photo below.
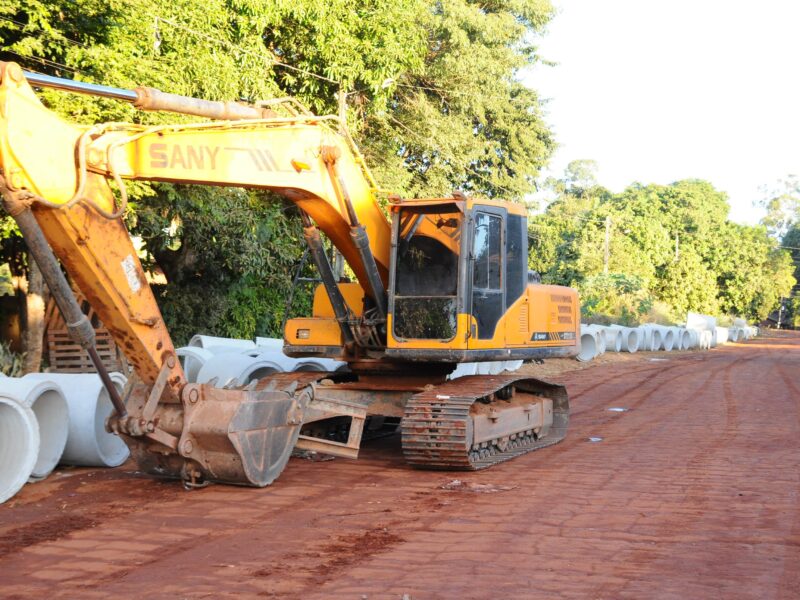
(783, 207)
(670, 245)
(432, 94)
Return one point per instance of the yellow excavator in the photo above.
(439, 282)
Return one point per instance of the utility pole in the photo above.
(607, 254)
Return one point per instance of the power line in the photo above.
(61, 37)
(270, 59)
(47, 62)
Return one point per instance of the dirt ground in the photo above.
(692, 492)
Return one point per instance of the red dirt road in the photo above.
(694, 492)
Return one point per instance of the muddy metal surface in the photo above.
(693, 492)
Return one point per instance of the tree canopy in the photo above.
(669, 245)
(432, 95)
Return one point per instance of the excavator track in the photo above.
(438, 426)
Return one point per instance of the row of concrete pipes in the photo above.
(700, 332)
(52, 418)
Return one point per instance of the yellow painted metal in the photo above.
(97, 252)
(539, 309)
(255, 154)
(322, 331)
(353, 296)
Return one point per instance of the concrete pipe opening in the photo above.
(49, 406)
(630, 338)
(655, 340)
(600, 339)
(19, 446)
(588, 346)
(88, 442)
(667, 339)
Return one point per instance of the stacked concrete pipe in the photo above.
(88, 443)
(240, 368)
(46, 400)
(630, 338)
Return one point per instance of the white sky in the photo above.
(656, 91)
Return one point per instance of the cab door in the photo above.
(487, 260)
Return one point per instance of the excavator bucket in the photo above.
(229, 436)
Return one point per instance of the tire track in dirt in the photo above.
(696, 494)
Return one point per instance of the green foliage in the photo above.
(432, 97)
(716, 266)
(10, 361)
(614, 297)
(783, 207)
(6, 286)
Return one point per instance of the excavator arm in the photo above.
(56, 182)
(63, 170)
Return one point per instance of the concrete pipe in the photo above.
(735, 335)
(721, 336)
(667, 339)
(49, 406)
(271, 343)
(19, 445)
(652, 337)
(700, 322)
(681, 338)
(630, 338)
(219, 345)
(318, 364)
(589, 344)
(704, 340)
(192, 360)
(513, 365)
(464, 369)
(496, 367)
(613, 339)
(599, 332)
(88, 442)
(691, 339)
(241, 368)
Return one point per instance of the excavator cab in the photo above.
(459, 287)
